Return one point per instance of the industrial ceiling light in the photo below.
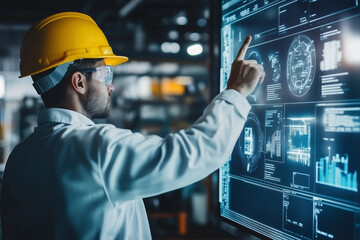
(170, 47)
(173, 35)
(195, 49)
(202, 22)
(181, 18)
(194, 36)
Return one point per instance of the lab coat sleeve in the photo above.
(133, 166)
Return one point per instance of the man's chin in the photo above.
(101, 114)
(104, 114)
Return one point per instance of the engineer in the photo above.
(74, 179)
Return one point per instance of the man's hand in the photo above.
(245, 74)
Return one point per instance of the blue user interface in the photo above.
(294, 171)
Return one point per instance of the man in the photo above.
(73, 179)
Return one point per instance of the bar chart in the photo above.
(334, 172)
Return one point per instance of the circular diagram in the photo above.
(254, 55)
(275, 66)
(300, 65)
(250, 143)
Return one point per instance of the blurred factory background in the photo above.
(170, 78)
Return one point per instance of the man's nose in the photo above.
(110, 88)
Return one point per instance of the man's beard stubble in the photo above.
(94, 106)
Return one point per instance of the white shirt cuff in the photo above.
(237, 99)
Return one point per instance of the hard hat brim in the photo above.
(109, 60)
(116, 60)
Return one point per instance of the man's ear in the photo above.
(78, 82)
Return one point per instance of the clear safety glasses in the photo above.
(103, 73)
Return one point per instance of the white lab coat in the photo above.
(73, 179)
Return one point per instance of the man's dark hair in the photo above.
(56, 95)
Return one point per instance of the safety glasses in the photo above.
(103, 73)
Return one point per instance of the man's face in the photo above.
(97, 99)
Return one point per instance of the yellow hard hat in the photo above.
(62, 38)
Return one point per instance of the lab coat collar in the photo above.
(59, 115)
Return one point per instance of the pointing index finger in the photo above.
(243, 49)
